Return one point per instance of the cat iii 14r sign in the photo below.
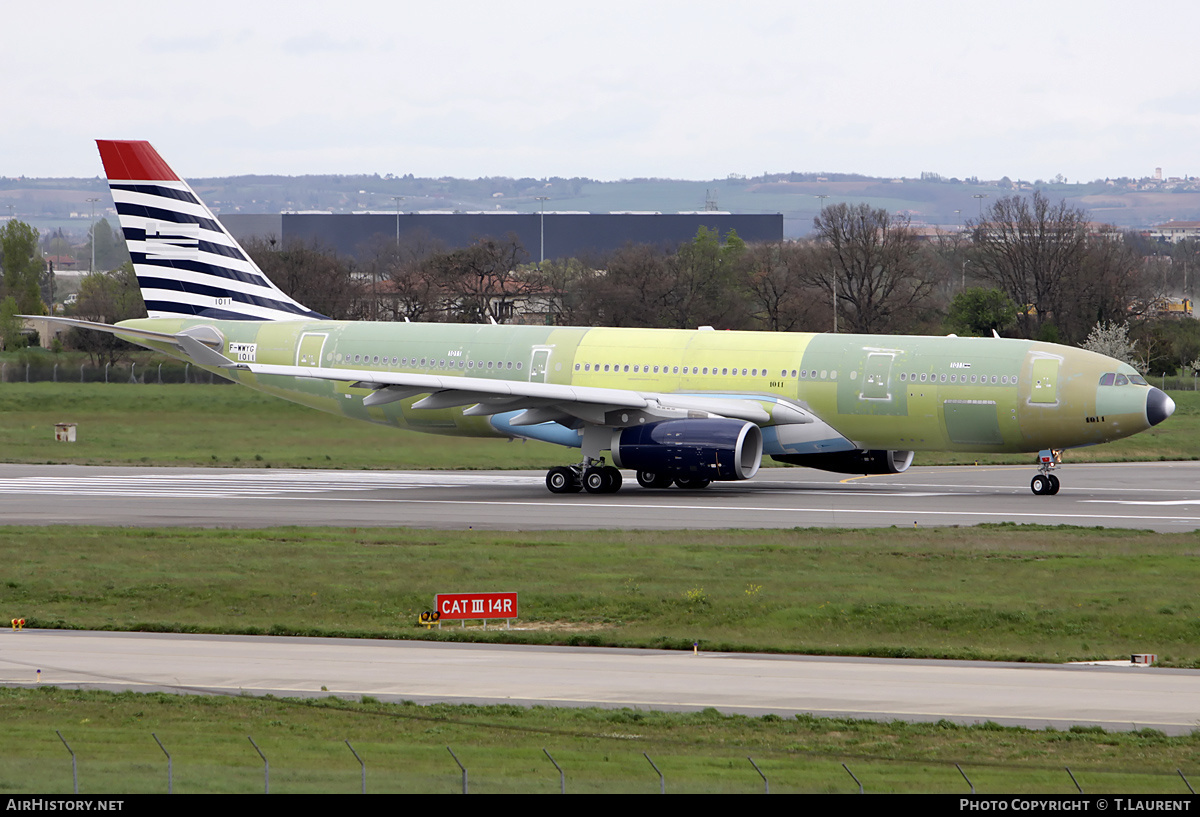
(455, 606)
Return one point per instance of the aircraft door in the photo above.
(538, 364)
(877, 373)
(308, 353)
(1044, 387)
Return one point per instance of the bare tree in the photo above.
(313, 276)
(875, 264)
(1034, 251)
(403, 282)
(482, 280)
(780, 295)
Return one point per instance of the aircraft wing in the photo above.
(539, 402)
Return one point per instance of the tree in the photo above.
(313, 276)
(702, 278)
(107, 297)
(11, 336)
(1112, 340)
(875, 266)
(482, 280)
(777, 280)
(111, 251)
(697, 285)
(1033, 250)
(978, 312)
(22, 266)
(402, 283)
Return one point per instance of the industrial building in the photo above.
(565, 234)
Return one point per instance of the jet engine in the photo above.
(852, 462)
(701, 449)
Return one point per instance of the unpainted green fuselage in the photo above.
(877, 391)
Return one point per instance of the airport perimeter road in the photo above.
(1158, 496)
(1032, 695)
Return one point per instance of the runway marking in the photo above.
(1145, 502)
(227, 486)
(1055, 515)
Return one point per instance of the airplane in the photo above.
(680, 408)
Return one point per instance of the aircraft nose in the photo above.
(1158, 406)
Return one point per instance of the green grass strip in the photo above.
(404, 748)
(1003, 592)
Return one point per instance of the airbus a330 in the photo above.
(680, 408)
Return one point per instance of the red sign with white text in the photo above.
(477, 605)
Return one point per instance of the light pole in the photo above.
(397, 199)
(542, 220)
(980, 197)
(92, 240)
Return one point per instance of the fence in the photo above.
(635, 771)
(41, 371)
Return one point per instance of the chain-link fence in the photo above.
(46, 371)
(442, 769)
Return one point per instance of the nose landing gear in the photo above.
(1046, 483)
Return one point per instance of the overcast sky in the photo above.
(609, 90)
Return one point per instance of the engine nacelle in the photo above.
(852, 462)
(711, 449)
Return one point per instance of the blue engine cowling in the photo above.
(852, 462)
(716, 449)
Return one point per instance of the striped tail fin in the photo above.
(187, 264)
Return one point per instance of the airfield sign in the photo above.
(456, 606)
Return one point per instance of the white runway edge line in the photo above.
(243, 485)
(1050, 517)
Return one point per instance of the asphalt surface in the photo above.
(1162, 496)
(1031, 695)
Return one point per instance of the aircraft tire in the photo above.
(597, 481)
(614, 479)
(1040, 485)
(561, 480)
(1054, 484)
(650, 479)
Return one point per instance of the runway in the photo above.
(1159, 496)
(1031, 695)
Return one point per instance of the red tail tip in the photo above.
(133, 161)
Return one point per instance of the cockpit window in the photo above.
(1138, 380)
(1107, 379)
(1122, 380)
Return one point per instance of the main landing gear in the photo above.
(595, 477)
(1045, 483)
(598, 478)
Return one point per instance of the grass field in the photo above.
(225, 425)
(404, 748)
(1004, 592)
